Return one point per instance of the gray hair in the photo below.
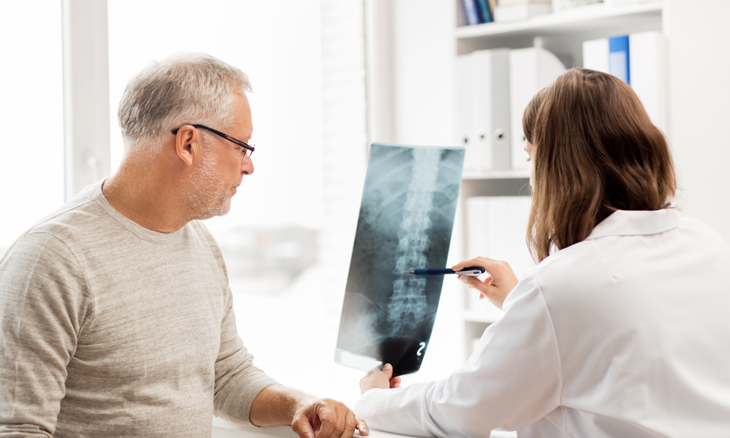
(187, 87)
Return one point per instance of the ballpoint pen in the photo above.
(468, 272)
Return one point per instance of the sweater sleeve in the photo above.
(512, 379)
(237, 380)
(44, 303)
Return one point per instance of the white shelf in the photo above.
(497, 174)
(576, 20)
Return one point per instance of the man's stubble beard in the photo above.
(208, 195)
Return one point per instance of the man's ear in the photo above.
(187, 144)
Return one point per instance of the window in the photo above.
(31, 92)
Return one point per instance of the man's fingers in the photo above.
(327, 429)
(301, 427)
(327, 418)
(342, 414)
(362, 426)
(333, 420)
(350, 424)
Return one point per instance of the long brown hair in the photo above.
(595, 151)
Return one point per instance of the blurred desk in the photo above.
(226, 429)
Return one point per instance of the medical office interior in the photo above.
(330, 77)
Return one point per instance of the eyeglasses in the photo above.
(247, 149)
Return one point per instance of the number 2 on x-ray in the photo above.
(423, 345)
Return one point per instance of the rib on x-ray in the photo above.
(406, 218)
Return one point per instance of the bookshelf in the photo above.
(561, 33)
(580, 20)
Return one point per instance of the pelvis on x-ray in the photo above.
(406, 219)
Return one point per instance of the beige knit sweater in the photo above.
(109, 329)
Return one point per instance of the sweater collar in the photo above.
(636, 223)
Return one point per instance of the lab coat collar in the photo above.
(636, 223)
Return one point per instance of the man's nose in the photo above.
(247, 166)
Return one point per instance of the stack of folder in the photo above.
(531, 70)
(493, 89)
(638, 59)
(483, 106)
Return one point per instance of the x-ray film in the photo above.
(405, 223)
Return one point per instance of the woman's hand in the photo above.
(379, 379)
(495, 287)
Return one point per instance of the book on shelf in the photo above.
(472, 12)
(492, 5)
(521, 11)
(485, 11)
(477, 11)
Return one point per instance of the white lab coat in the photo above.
(626, 334)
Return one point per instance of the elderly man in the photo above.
(115, 310)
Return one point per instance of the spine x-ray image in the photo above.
(405, 223)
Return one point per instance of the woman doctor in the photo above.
(623, 328)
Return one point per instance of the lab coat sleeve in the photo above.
(512, 379)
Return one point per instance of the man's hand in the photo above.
(278, 405)
(495, 287)
(332, 419)
(379, 379)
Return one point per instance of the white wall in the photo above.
(699, 84)
(423, 56)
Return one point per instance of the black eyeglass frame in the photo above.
(233, 140)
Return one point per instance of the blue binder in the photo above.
(618, 57)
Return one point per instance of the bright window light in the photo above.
(31, 114)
